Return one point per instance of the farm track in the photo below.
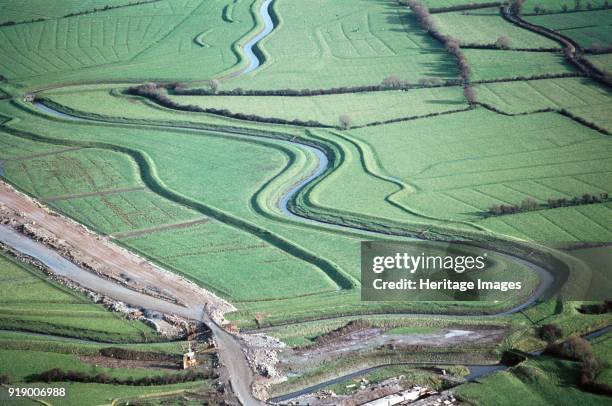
(193, 297)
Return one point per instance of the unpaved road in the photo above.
(116, 259)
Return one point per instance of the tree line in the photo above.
(59, 375)
(452, 46)
(530, 204)
(155, 92)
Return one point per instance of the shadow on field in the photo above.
(401, 20)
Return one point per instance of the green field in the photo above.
(443, 188)
(36, 304)
(119, 43)
(589, 28)
(579, 96)
(202, 195)
(101, 394)
(70, 171)
(357, 42)
(361, 108)
(485, 26)
(538, 381)
(490, 64)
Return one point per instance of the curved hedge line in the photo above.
(59, 375)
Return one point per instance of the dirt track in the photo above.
(113, 263)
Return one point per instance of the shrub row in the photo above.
(579, 349)
(499, 45)
(155, 93)
(127, 354)
(563, 112)
(530, 204)
(391, 82)
(535, 77)
(451, 44)
(59, 375)
(600, 308)
(598, 50)
(461, 7)
(424, 18)
(280, 92)
(550, 332)
(397, 120)
(565, 8)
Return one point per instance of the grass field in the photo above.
(490, 64)
(603, 61)
(571, 160)
(538, 381)
(119, 43)
(101, 394)
(362, 108)
(485, 26)
(22, 365)
(199, 194)
(555, 6)
(588, 28)
(127, 211)
(581, 97)
(353, 42)
(70, 171)
(13, 10)
(215, 256)
(35, 304)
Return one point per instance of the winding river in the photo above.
(250, 48)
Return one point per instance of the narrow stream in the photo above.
(250, 48)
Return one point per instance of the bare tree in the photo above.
(393, 81)
(470, 94)
(503, 42)
(345, 121)
(213, 84)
